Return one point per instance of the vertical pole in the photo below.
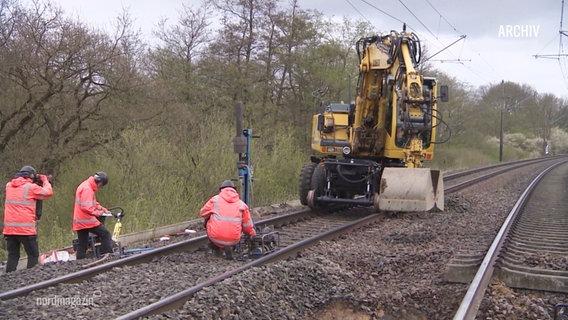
(501, 125)
(244, 169)
(241, 144)
(349, 101)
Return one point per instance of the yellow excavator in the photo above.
(371, 151)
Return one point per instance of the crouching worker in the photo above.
(226, 216)
(85, 213)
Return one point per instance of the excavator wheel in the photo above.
(306, 181)
(311, 199)
(318, 180)
(376, 202)
(317, 187)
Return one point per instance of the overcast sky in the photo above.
(502, 37)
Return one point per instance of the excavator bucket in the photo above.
(410, 189)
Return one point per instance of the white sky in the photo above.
(488, 55)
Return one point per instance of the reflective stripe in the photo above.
(21, 202)
(85, 204)
(85, 220)
(226, 243)
(220, 217)
(216, 214)
(216, 204)
(19, 224)
(248, 224)
(27, 190)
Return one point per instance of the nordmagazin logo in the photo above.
(518, 30)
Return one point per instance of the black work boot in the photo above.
(215, 250)
(229, 253)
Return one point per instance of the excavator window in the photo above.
(338, 107)
(321, 122)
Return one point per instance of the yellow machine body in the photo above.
(373, 150)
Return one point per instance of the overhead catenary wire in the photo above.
(418, 19)
(382, 11)
(482, 77)
(409, 26)
(561, 56)
(451, 44)
(357, 10)
(463, 45)
(442, 17)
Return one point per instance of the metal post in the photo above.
(501, 139)
(245, 169)
(501, 125)
(241, 144)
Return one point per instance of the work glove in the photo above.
(107, 214)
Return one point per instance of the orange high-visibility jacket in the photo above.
(20, 205)
(87, 208)
(228, 216)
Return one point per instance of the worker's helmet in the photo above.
(101, 177)
(28, 172)
(227, 184)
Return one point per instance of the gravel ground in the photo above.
(390, 270)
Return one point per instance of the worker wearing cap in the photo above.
(86, 212)
(226, 216)
(20, 215)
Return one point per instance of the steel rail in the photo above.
(470, 304)
(455, 175)
(178, 299)
(492, 174)
(197, 242)
(185, 245)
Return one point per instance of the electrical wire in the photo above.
(418, 19)
(454, 28)
(442, 17)
(462, 48)
(359, 12)
(384, 12)
(561, 56)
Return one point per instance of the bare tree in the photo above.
(67, 88)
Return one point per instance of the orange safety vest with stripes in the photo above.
(227, 216)
(86, 208)
(20, 205)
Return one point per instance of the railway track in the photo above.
(529, 251)
(298, 231)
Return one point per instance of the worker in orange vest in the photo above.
(226, 216)
(20, 218)
(86, 213)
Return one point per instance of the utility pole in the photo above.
(501, 126)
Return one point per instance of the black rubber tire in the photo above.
(306, 181)
(318, 180)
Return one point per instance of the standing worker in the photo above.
(226, 216)
(20, 218)
(86, 212)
